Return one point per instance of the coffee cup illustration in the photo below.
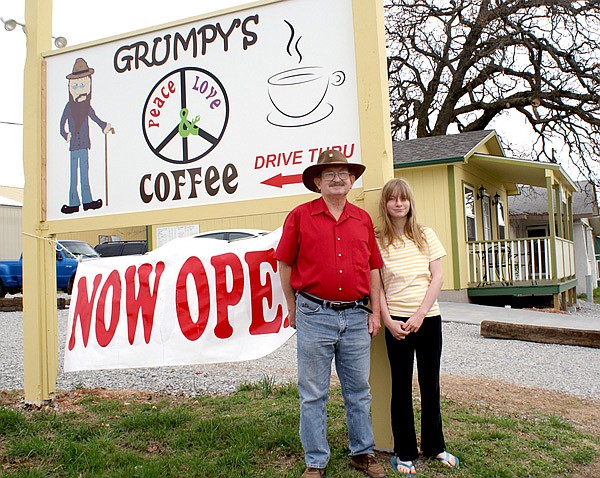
(298, 95)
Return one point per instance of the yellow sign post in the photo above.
(39, 276)
(377, 156)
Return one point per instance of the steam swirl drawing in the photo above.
(298, 94)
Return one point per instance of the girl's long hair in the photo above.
(399, 188)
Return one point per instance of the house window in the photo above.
(487, 218)
(469, 196)
(501, 221)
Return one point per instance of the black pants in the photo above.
(427, 345)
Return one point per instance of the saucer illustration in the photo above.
(277, 118)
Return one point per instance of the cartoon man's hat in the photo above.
(80, 70)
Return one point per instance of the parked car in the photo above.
(232, 234)
(68, 255)
(121, 248)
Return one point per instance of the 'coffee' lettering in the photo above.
(164, 186)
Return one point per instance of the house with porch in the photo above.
(528, 214)
(462, 183)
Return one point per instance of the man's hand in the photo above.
(68, 137)
(374, 324)
(292, 317)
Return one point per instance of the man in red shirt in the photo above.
(329, 267)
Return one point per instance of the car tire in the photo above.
(2, 290)
(69, 288)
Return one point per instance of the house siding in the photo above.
(10, 232)
(585, 262)
(268, 222)
(432, 198)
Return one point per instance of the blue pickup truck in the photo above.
(68, 255)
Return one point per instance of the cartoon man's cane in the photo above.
(112, 131)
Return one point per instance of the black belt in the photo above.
(338, 305)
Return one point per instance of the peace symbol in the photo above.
(185, 115)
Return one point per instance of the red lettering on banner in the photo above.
(83, 310)
(225, 297)
(190, 329)
(261, 291)
(145, 300)
(104, 335)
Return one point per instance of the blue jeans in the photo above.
(324, 334)
(79, 160)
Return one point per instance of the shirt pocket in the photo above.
(360, 255)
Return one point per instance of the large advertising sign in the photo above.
(221, 109)
(190, 301)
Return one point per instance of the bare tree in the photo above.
(459, 64)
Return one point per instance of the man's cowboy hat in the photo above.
(328, 158)
(80, 70)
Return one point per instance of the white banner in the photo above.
(190, 301)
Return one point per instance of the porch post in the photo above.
(550, 194)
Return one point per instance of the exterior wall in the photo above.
(465, 174)
(583, 241)
(432, 200)
(268, 222)
(10, 232)
(93, 237)
(11, 192)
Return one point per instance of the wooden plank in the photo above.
(542, 334)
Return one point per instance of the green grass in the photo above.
(254, 433)
(595, 295)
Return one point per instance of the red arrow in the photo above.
(280, 180)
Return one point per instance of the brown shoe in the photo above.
(311, 472)
(368, 464)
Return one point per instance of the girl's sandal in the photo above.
(397, 464)
(447, 459)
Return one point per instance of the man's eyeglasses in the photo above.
(329, 175)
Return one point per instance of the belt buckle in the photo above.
(338, 305)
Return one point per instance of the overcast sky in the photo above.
(78, 25)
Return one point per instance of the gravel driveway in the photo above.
(562, 368)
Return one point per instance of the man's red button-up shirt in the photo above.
(330, 259)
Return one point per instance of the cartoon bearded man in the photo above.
(74, 128)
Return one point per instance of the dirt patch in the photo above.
(504, 398)
(511, 399)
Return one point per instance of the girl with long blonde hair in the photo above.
(412, 280)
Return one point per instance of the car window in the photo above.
(134, 248)
(234, 236)
(214, 235)
(109, 250)
(79, 248)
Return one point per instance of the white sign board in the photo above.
(222, 109)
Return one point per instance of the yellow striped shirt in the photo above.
(406, 274)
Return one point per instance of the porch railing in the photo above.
(518, 262)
